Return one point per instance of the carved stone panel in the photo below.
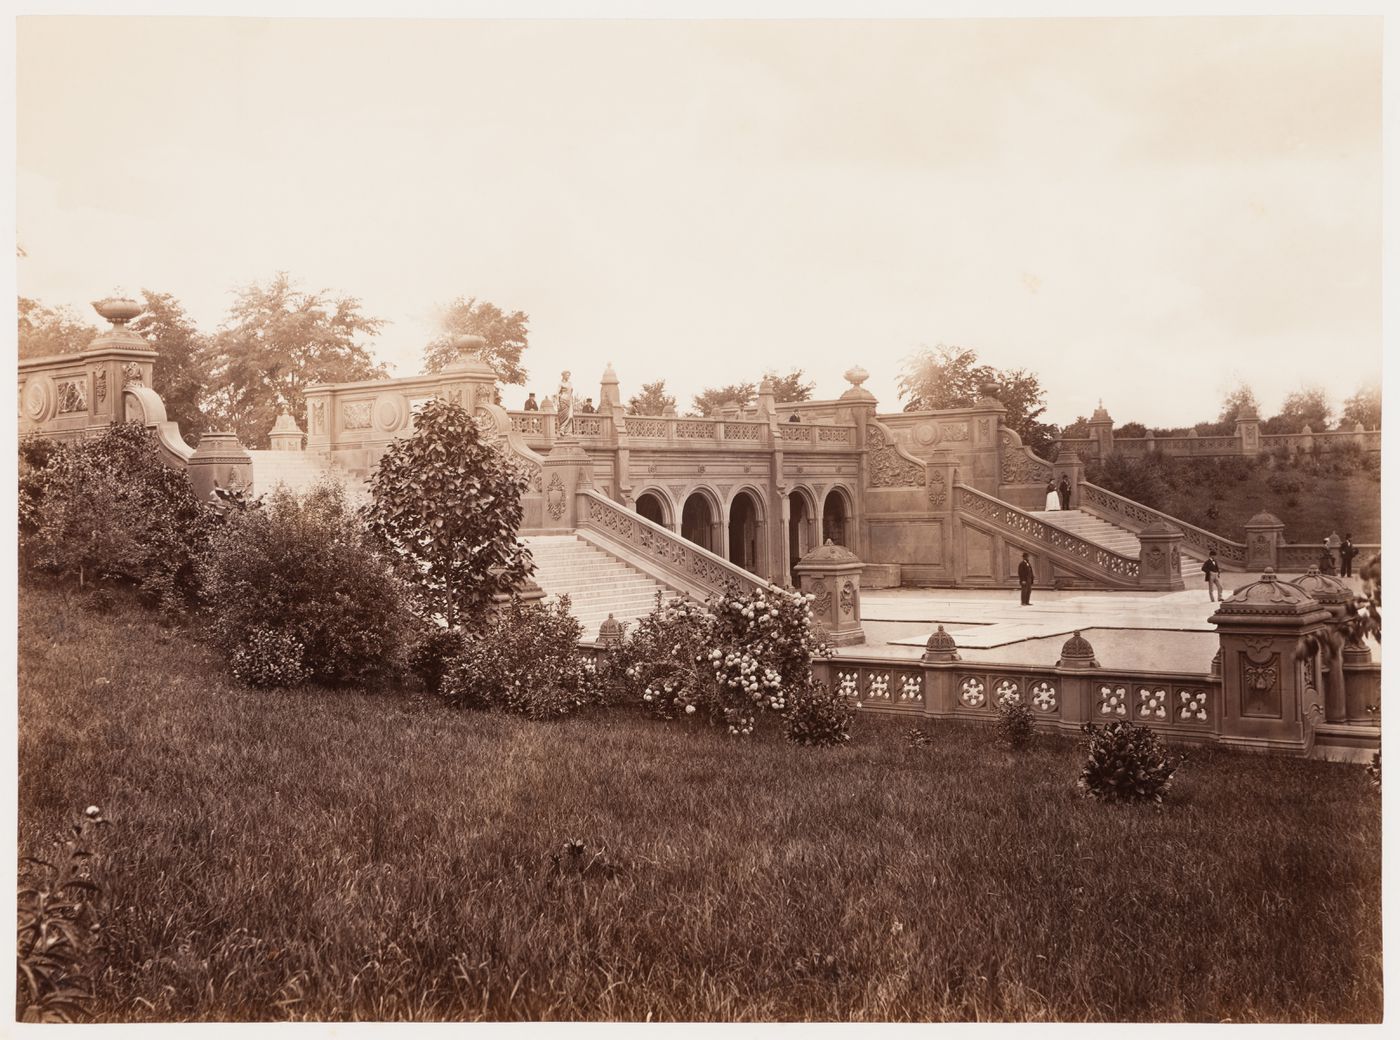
(1261, 687)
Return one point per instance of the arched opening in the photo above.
(650, 505)
(697, 521)
(799, 534)
(743, 532)
(835, 517)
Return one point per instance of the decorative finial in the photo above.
(118, 309)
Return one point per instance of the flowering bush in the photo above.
(1126, 763)
(269, 658)
(1015, 724)
(525, 659)
(304, 569)
(730, 661)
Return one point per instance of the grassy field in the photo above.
(352, 855)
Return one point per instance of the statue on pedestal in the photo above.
(564, 401)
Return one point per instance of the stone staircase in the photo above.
(1106, 534)
(298, 470)
(597, 583)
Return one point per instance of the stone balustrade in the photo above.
(600, 429)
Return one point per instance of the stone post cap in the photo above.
(1264, 520)
(610, 631)
(1077, 652)
(1101, 414)
(1270, 596)
(285, 424)
(829, 554)
(941, 647)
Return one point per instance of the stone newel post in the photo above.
(220, 460)
(831, 573)
(1333, 594)
(1159, 560)
(285, 434)
(1267, 691)
(1262, 537)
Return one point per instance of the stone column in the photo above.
(1262, 536)
(1268, 692)
(1101, 431)
(1334, 595)
(565, 471)
(940, 683)
(831, 573)
(220, 460)
(285, 434)
(1247, 430)
(1159, 558)
(1076, 664)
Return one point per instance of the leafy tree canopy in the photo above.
(276, 341)
(1363, 407)
(1307, 407)
(506, 335)
(1236, 401)
(790, 387)
(950, 377)
(787, 389)
(179, 370)
(653, 400)
(51, 330)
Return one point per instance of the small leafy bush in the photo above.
(270, 658)
(303, 568)
(818, 716)
(918, 738)
(109, 508)
(525, 660)
(59, 903)
(431, 652)
(1015, 725)
(1373, 771)
(1126, 763)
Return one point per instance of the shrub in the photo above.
(305, 570)
(109, 508)
(526, 660)
(818, 716)
(1126, 763)
(59, 903)
(1015, 725)
(431, 652)
(1373, 771)
(270, 658)
(446, 506)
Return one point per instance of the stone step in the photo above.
(597, 583)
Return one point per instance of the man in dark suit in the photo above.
(1064, 491)
(1348, 554)
(1027, 578)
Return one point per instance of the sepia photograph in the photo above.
(790, 514)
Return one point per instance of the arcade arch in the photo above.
(700, 520)
(746, 531)
(802, 525)
(836, 516)
(655, 507)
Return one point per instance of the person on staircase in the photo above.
(1064, 490)
(1211, 569)
(1052, 497)
(1026, 576)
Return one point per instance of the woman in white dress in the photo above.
(1052, 497)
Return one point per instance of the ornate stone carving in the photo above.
(941, 647)
(72, 395)
(822, 604)
(99, 385)
(555, 497)
(955, 431)
(1152, 702)
(655, 428)
(848, 598)
(318, 416)
(131, 374)
(1008, 691)
(1017, 467)
(40, 399)
(836, 434)
(1261, 677)
(937, 489)
(357, 415)
(1113, 700)
(984, 430)
(1043, 696)
(1191, 705)
(972, 692)
(888, 466)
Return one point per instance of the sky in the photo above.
(1145, 211)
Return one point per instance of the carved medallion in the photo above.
(848, 598)
(131, 374)
(555, 497)
(823, 601)
(937, 490)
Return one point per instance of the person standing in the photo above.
(1211, 569)
(531, 405)
(1026, 575)
(1064, 491)
(1348, 552)
(1052, 498)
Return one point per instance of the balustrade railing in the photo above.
(689, 567)
(1008, 518)
(684, 433)
(1113, 507)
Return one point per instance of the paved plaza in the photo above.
(1152, 631)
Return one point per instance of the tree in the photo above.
(1307, 407)
(51, 330)
(446, 506)
(944, 377)
(506, 335)
(1363, 407)
(790, 387)
(950, 377)
(276, 341)
(653, 400)
(711, 401)
(1129, 429)
(179, 371)
(1236, 401)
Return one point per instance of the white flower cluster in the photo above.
(763, 685)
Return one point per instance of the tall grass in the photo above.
(306, 854)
